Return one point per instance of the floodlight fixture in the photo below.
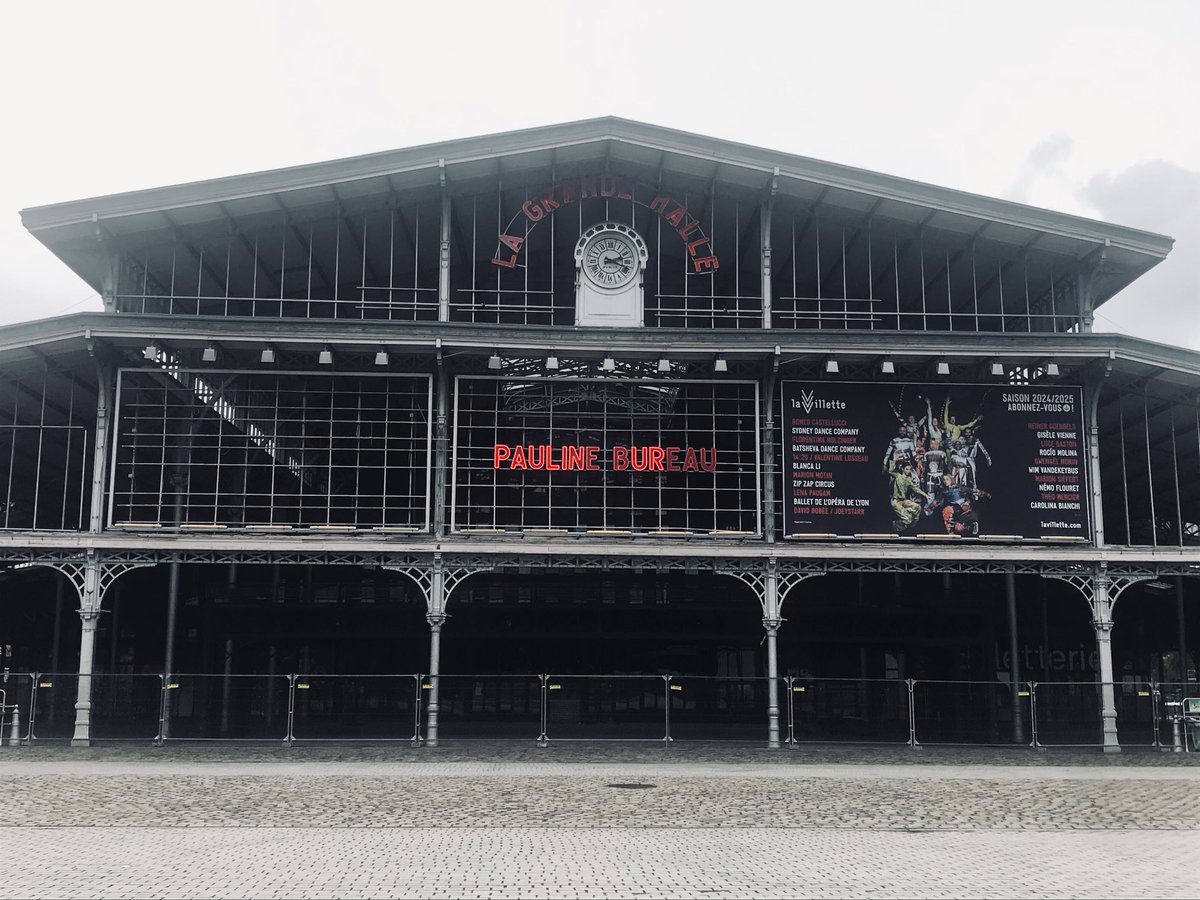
(998, 369)
(381, 357)
(831, 366)
(720, 365)
(209, 354)
(494, 361)
(267, 355)
(552, 362)
(943, 367)
(664, 364)
(887, 367)
(608, 364)
(1052, 369)
(326, 357)
(151, 352)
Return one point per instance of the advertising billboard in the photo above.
(968, 460)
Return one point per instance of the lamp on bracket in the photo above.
(325, 357)
(494, 361)
(942, 367)
(720, 364)
(209, 354)
(831, 366)
(887, 367)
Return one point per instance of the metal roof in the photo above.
(71, 229)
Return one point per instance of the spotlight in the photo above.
(664, 365)
(943, 367)
(887, 367)
(209, 354)
(720, 365)
(831, 367)
(494, 361)
(326, 357)
(608, 364)
(151, 352)
(1052, 369)
(551, 362)
(381, 357)
(267, 355)
(998, 369)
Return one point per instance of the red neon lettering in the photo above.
(547, 201)
(537, 456)
(689, 461)
(587, 188)
(677, 215)
(591, 461)
(620, 457)
(624, 188)
(512, 242)
(570, 191)
(654, 458)
(532, 211)
(698, 242)
(689, 228)
(551, 465)
(672, 459)
(708, 459)
(518, 458)
(638, 458)
(509, 263)
(500, 453)
(705, 262)
(659, 204)
(608, 187)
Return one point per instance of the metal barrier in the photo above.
(494, 707)
(720, 708)
(849, 710)
(972, 712)
(544, 708)
(607, 708)
(1068, 713)
(225, 707)
(16, 704)
(353, 708)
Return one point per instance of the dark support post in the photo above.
(436, 618)
(771, 622)
(169, 650)
(1179, 614)
(1014, 669)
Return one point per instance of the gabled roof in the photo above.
(70, 229)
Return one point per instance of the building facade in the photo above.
(554, 422)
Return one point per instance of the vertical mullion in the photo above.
(1149, 467)
(1175, 469)
(1124, 471)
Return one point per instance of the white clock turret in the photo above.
(610, 260)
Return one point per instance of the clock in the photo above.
(611, 257)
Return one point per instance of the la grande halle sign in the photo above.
(585, 458)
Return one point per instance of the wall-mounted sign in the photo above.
(618, 458)
(910, 459)
(572, 190)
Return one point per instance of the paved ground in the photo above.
(341, 821)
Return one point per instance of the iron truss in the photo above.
(520, 563)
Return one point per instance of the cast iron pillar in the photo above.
(91, 580)
(1101, 591)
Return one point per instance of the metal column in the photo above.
(89, 614)
(771, 622)
(1102, 623)
(436, 617)
(1014, 674)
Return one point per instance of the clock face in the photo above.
(610, 259)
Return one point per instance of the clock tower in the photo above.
(610, 260)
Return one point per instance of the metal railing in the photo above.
(545, 708)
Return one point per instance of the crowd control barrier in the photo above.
(546, 708)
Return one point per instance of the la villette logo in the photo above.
(809, 401)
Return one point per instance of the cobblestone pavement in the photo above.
(494, 822)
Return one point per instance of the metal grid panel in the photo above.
(720, 418)
(244, 449)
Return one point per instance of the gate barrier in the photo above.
(543, 708)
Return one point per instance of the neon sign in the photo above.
(584, 458)
(571, 190)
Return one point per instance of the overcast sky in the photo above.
(1085, 107)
